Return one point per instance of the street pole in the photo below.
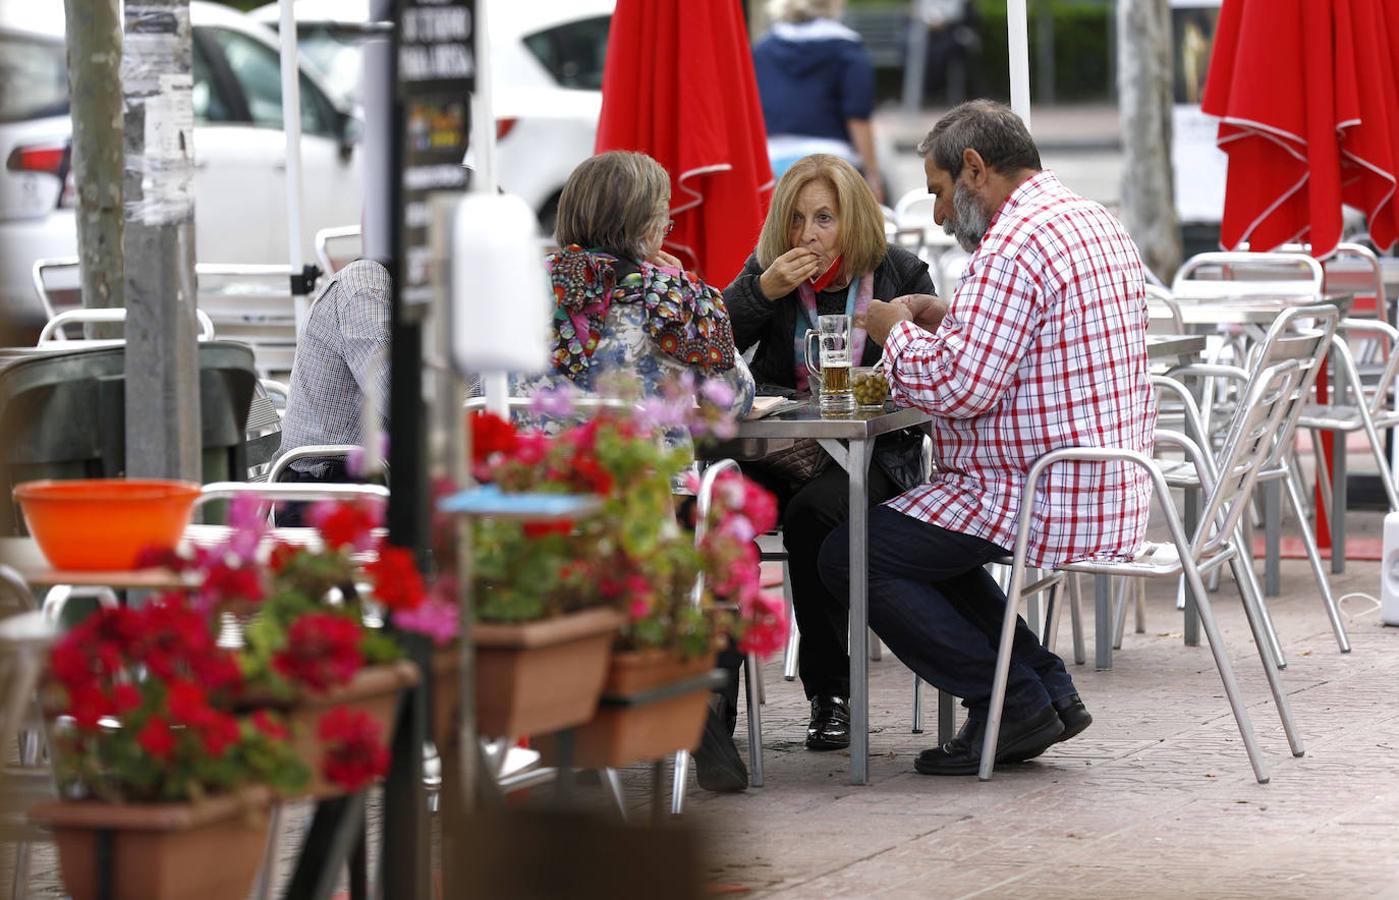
(162, 357)
(95, 102)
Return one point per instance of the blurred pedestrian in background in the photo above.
(817, 87)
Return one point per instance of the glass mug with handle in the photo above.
(832, 334)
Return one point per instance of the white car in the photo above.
(546, 62)
(239, 147)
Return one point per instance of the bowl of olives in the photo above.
(870, 385)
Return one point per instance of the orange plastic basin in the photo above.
(103, 524)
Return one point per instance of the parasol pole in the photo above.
(291, 126)
(483, 180)
(1018, 41)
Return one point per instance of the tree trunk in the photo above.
(94, 90)
(1144, 91)
(162, 358)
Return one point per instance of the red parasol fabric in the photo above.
(1306, 94)
(679, 86)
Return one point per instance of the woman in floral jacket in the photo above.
(624, 308)
(624, 305)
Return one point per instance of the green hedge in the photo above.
(1081, 63)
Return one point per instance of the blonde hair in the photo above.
(861, 235)
(803, 10)
(612, 202)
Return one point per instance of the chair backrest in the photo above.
(1248, 445)
(24, 640)
(54, 330)
(1304, 335)
(1352, 268)
(1220, 274)
(1164, 316)
(338, 247)
(914, 208)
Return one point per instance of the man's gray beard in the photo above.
(970, 222)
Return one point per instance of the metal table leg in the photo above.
(1272, 530)
(858, 470)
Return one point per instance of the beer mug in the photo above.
(832, 334)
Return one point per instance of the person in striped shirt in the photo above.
(1042, 346)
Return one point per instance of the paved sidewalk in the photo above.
(1155, 799)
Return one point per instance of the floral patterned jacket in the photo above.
(642, 335)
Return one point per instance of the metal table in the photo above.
(848, 440)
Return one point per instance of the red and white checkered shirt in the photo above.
(1043, 347)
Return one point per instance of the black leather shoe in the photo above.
(1075, 717)
(718, 765)
(1019, 739)
(830, 724)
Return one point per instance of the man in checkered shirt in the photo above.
(341, 354)
(1042, 346)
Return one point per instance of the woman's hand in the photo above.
(662, 258)
(789, 270)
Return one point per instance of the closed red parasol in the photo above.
(679, 86)
(1309, 108)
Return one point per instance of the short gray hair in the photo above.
(803, 10)
(612, 202)
(991, 129)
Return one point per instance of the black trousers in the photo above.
(808, 514)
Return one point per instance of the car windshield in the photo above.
(33, 78)
(337, 53)
(573, 52)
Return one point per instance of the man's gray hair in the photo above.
(989, 128)
(803, 10)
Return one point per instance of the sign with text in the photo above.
(436, 75)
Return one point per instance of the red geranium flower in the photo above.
(125, 698)
(354, 751)
(542, 529)
(218, 733)
(270, 725)
(322, 651)
(346, 524)
(397, 582)
(280, 555)
(156, 738)
(491, 434)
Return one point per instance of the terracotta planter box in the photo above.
(374, 690)
(541, 676)
(624, 733)
(210, 850)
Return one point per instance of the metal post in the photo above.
(1044, 50)
(858, 466)
(162, 362)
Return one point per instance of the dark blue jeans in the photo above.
(933, 604)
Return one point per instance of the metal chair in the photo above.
(25, 636)
(1368, 412)
(750, 662)
(348, 234)
(1304, 335)
(1216, 274)
(1214, 543)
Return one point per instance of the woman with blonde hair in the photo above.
(822, 251)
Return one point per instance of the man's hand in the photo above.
(789, 270)
(881, 318)
(925, 310)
